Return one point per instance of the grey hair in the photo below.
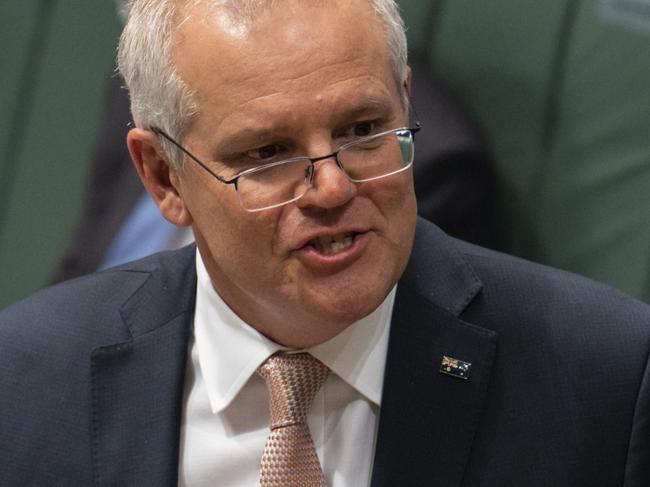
(159, 96)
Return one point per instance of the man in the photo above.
(279, 131)
(455, 184)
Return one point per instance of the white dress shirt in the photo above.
(226, 413)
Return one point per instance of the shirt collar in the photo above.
(230, 350)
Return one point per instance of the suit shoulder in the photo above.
(85, 310)
(546, 300)
(494, 267)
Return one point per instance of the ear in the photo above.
(407, 82)
(157, 176)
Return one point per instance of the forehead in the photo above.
(291, 55)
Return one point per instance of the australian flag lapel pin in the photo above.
(454, 367)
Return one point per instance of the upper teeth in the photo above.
(331, 244)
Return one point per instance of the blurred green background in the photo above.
(563, 90)
(56, 58)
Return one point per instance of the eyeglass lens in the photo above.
(363, 160)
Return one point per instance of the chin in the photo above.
(345, 307)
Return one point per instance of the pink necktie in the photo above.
(289, 457)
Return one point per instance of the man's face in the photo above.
(302, 79)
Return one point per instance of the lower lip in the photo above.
(311, 258)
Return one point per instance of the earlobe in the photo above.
(159, 179)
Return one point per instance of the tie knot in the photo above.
(292, 380)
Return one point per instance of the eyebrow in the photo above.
(244, 137)
(367, 105)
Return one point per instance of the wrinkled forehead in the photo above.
(260, 30)
(285, 55)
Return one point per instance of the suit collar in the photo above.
(428, 420)
(169, 289)
(137, 385)
(438, 272)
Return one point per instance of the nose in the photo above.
(330, 186)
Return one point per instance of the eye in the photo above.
(363, 129)
(266, 152)
(356, 130)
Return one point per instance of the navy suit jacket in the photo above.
(92, 374)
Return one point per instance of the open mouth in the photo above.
(332, 244)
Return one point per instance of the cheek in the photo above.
(398, 206)
(242, 238)
(394, 197)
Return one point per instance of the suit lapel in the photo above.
(428, 420)
(137, 385)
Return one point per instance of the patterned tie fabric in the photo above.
(289, 457)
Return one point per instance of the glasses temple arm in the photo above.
(157, 131)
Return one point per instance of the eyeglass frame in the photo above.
(312, 161)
